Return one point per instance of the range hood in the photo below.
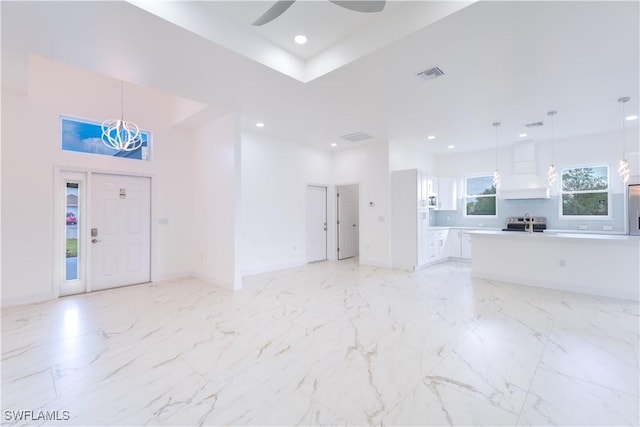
(524, 183)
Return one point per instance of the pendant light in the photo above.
(552, 174)
(623, 168)
(496, 174)
(120, 134)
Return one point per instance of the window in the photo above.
(480, 197)
(85, 136)
(71, 242)
(585, 191)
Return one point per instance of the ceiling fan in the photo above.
(356, 5)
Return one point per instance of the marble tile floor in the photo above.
(332, 343)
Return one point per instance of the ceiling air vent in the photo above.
(431, 73)
(534, 124)
(356, 136)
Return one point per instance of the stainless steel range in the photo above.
(526, 223)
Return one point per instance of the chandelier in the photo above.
(121, 134)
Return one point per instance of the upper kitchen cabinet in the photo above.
(423, 190)
(442, 193)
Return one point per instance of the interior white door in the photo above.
(316, 223)
(120, 231)
(347, 221)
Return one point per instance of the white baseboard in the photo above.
(273, 267)
(31, 299)
(172, 276)
(375, 263)
(216, 281)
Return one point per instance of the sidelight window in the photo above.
(72, 219)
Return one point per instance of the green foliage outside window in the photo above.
(585, 191)
(481, 196)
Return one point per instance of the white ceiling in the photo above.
(503, 61)
(323, 22)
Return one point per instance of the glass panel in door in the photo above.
(71, 230)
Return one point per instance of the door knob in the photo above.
(95, 240)
(354, 225)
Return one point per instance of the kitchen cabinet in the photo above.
(447, 194)
(454, 242)
(443, 189)
(432, 190)
(459, 243)
(437, 246)
(409, 219)
(422, 189)
(465, 245)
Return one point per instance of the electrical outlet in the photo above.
(562, 263)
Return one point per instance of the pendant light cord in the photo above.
(552, 138)
(496, 124)
(552, 114)
(623, 129)
(121, 100)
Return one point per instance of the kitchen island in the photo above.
(598, 264)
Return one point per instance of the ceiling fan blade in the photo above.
(361, 6)
(274, 11)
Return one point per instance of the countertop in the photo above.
(547, 231)
(438, 227)
(557, 236)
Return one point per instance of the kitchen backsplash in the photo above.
(548, 208)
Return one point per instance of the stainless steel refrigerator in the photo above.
(634, 209)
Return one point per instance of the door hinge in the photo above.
(338, 222)
(338, 249)
(338, 194)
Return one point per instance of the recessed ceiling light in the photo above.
(333, 144)
(632, 117)
(300, 39)
(260, 124)
(451, 146)
(431, 137)
(522, 135)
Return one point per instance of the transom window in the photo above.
(85, 136)
(585, 191)
(480, 196)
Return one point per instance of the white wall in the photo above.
(275, 174)
(215, 165)
(368, 166)
(31, 149)
(594, 149)
(602, 148)
(405, 155)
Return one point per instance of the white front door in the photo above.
(120, 231)
(316, 223)
(347, 221)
